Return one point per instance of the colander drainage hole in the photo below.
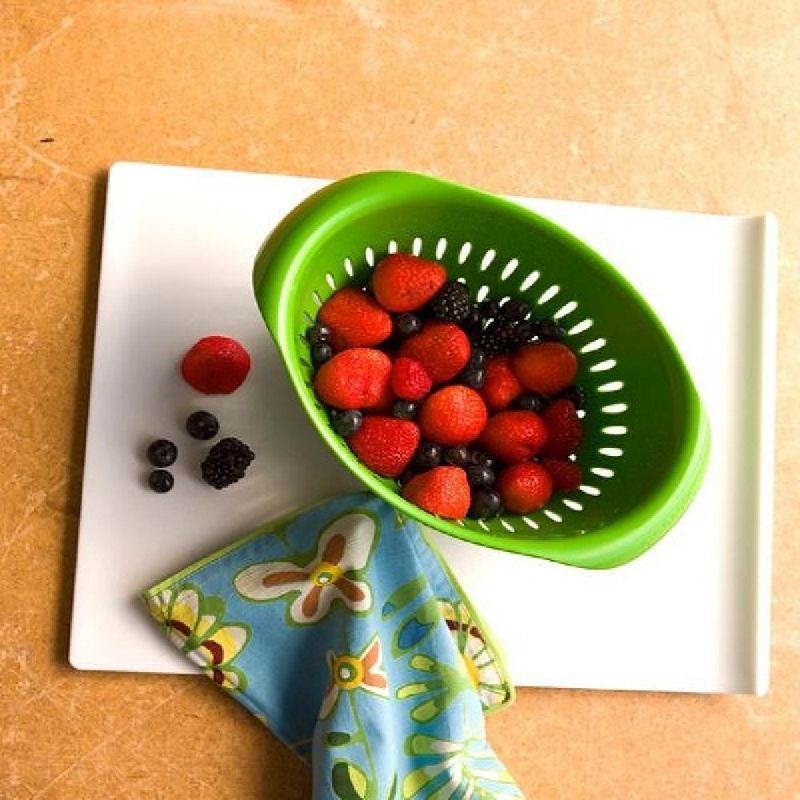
(482, 293)
(530, 279)
(603, 366)
(317, 298)
(611, 386)
(487, 259)
(565, 310)
(548, 294)
(369, 256)
(582, 326)
(531, 523)
(416, 246)
(590, 490)
(463, 253)
(441, 246)
(602, 472)
(615, 408)
(611, 452)
(595, 344)
(574, 505)
(553, 516)
(508, 526)
(331, 281)
(615, 430)
(509, 269)
(348, 266)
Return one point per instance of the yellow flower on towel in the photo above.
(195, 624)
(332, 574)
(348, 673)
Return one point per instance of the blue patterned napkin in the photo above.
(345, 634)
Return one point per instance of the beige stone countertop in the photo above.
(690, 104)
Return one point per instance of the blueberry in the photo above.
(477, 358)
(320, 353)
(481, 457)
(160, 481)
(480, 475)
(531, 402)
(550, 331)
(407, 325)
(456, 456)
(576, 394)
(406, 476)
(485, 503)
(473, 377)
(202, 425)
(317, 334)
(346, 423)
(162, 453)
(427, 456)
(515, 310)
(404, 409)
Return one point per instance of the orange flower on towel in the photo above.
(342, 552)
(348, 673)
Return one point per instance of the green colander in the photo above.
(646, 435)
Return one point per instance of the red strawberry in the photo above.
(545, 367)
(441, 347)
(500, 387)
(566, 475)
(453, 415)
(564, 429)
(403, 282)
(524, 487)
(409, 379)
(514, 435)
(215, 365)
(355, 319)
(442, 490)
(385, 444)
(355, 378)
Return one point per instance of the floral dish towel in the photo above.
(342, 630)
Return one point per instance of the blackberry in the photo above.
(202, 425)
(576, 394)
(457, 456)
(524, 332)
(489, 308)
(160, 481)
(480, 475)
(531, 402)
(346, 423)
(427, 456)
(550, 331)
(473, 377)
(404, 409)
(320, 353)
(514, 310)
(473, 322)
(226, 462)
(162, 453)
(498, 338)
(485, 503)
(451, 303)
(317, 334)
(407, 325)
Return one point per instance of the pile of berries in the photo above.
(471, 407)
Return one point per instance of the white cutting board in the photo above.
(692, 614)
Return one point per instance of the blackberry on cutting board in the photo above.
(226, 462)
(451, 303)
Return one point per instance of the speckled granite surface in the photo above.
(691, 105)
